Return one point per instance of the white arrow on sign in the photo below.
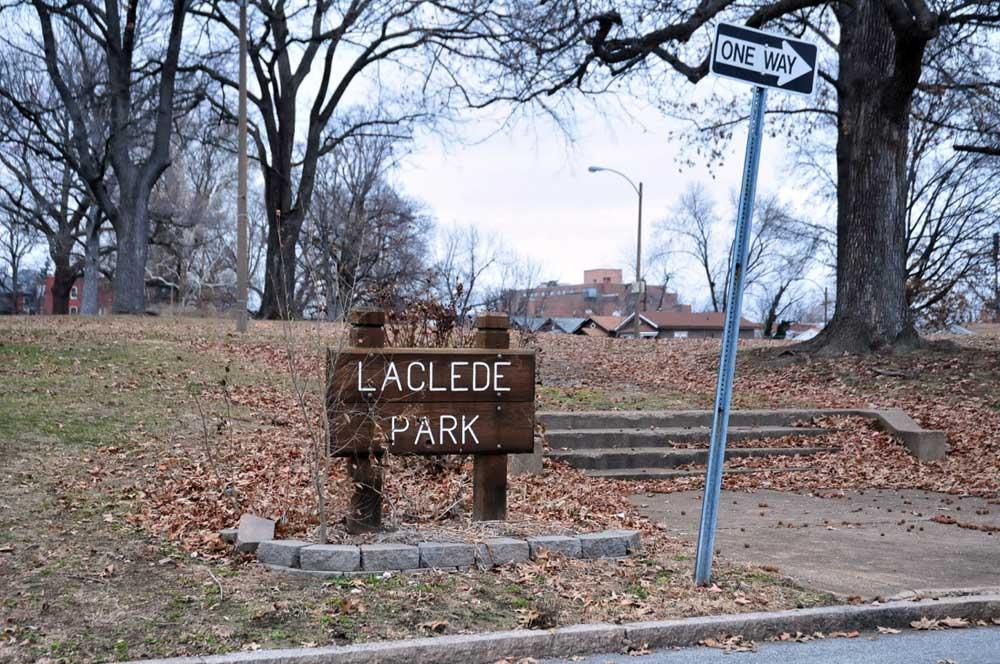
(784, 62)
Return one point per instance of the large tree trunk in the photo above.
(283, 223)
(15, 285)
(873, 123)
(90, 304)
(279, 279)
(132, 232)
(64, 276)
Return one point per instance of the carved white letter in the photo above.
(476, 387)
(425, 429)
(450, 430)
(467, 427)
(361, 387)
(455, 376)
(430, 380)
(392, 376)
(396, 429)
(497, 376)
(409, 376)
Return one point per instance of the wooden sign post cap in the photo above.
(493, 321)
(367, 317)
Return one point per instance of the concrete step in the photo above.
(623, 438)
(659, 457)
(671, 418)
(668, 474)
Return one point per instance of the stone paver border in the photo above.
(325, 560)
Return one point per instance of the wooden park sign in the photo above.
(429, 401)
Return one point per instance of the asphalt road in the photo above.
(953, 646)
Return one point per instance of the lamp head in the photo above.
(594, 169)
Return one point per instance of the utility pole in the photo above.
(638, 265)
(242, 250)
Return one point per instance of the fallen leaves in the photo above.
(800, 637)
(938, 395)
(541, 616)
(953, 623)
(735, 643)
(434, 626)
(926, 623)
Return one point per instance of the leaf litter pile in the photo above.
(252, 453)
(955, 388)
(234, 431)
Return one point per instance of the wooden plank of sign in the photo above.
(517, 382)
(485, 428)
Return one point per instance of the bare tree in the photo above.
(782, 247)
(17, 239)
(466, 257)
(873, 57)
(364, 240)
(317, 56)
(192, 240)
(515, 286)
(42, 187)
(694, 227)
(121, 58)
(56, 208)
(952, 209)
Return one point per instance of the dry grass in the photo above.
(110, 499)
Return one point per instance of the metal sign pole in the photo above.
(727, 359)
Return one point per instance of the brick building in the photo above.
(105, 296)
(602, 293)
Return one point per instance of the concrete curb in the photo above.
(599, 638)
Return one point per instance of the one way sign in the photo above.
(764, 58)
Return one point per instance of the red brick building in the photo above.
(602, 293)
(105, 296)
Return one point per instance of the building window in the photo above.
(680, 334)
(73, 294)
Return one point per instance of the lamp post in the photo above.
(638, 241)
(242, 250)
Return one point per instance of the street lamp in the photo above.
(638, 242)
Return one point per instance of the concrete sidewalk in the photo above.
(871, 543)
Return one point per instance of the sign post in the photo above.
(430, 401)
(766, 61)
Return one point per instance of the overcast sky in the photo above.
(531, 186)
